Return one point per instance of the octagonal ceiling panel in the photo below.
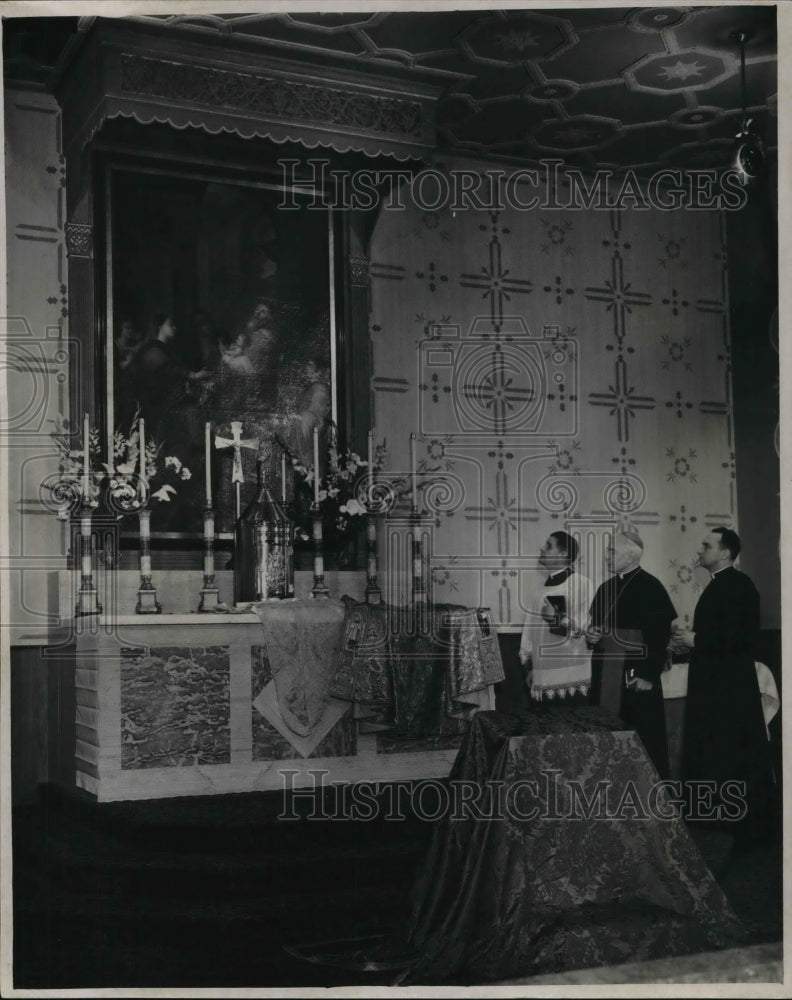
(510, 40)
(578, 133)
(684, 70)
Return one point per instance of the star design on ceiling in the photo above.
(517, 41)
(681, 70)
(577, 135)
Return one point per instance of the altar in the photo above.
(185, 703)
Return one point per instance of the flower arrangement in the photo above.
(125, 488)
(345, 492)
(68, 488)
(117, 483)
(338, 488)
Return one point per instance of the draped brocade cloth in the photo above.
(496, 899)
(411, 671)
(301, 640)
(417, 675)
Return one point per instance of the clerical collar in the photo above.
(556, 579)
(717, 571)
(629, 574)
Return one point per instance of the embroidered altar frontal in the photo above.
(299, 693)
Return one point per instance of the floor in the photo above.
(210, 892)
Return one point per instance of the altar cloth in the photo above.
(504, 897)
(413, 671)
(301, 640)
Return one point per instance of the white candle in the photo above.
(316, 464)
(371, 452)
(142, 437)
(413, 480)
(85, 546)
(283, 476)
(86, 458)
(208, 461)
(144, 519)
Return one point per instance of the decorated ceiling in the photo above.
(617, 87)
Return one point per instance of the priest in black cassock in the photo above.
(725, 738)
(631, 619)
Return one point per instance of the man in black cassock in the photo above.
(631, 619)
(725, 738)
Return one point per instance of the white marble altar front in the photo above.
(163, 705)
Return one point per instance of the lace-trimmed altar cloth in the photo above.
(302, 640)
(411, 675)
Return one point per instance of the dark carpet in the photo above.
(209, 892)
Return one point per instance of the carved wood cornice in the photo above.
(270, 97)
(129, 70)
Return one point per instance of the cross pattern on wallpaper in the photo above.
(502, 513)
(619, 297)
(494, 278)
(606, 394)
(622, 401)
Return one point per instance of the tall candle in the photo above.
(86, 458)
(316, 464)
(208, 462)
(142, 436)
(283, 476)
(371, 452)
(413, 480)
(144, 519)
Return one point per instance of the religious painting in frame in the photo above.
(219, 309)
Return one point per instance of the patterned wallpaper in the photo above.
(37, 349)
(561, 369)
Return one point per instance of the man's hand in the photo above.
(639, 684)
(682, 639)
(593, 636)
